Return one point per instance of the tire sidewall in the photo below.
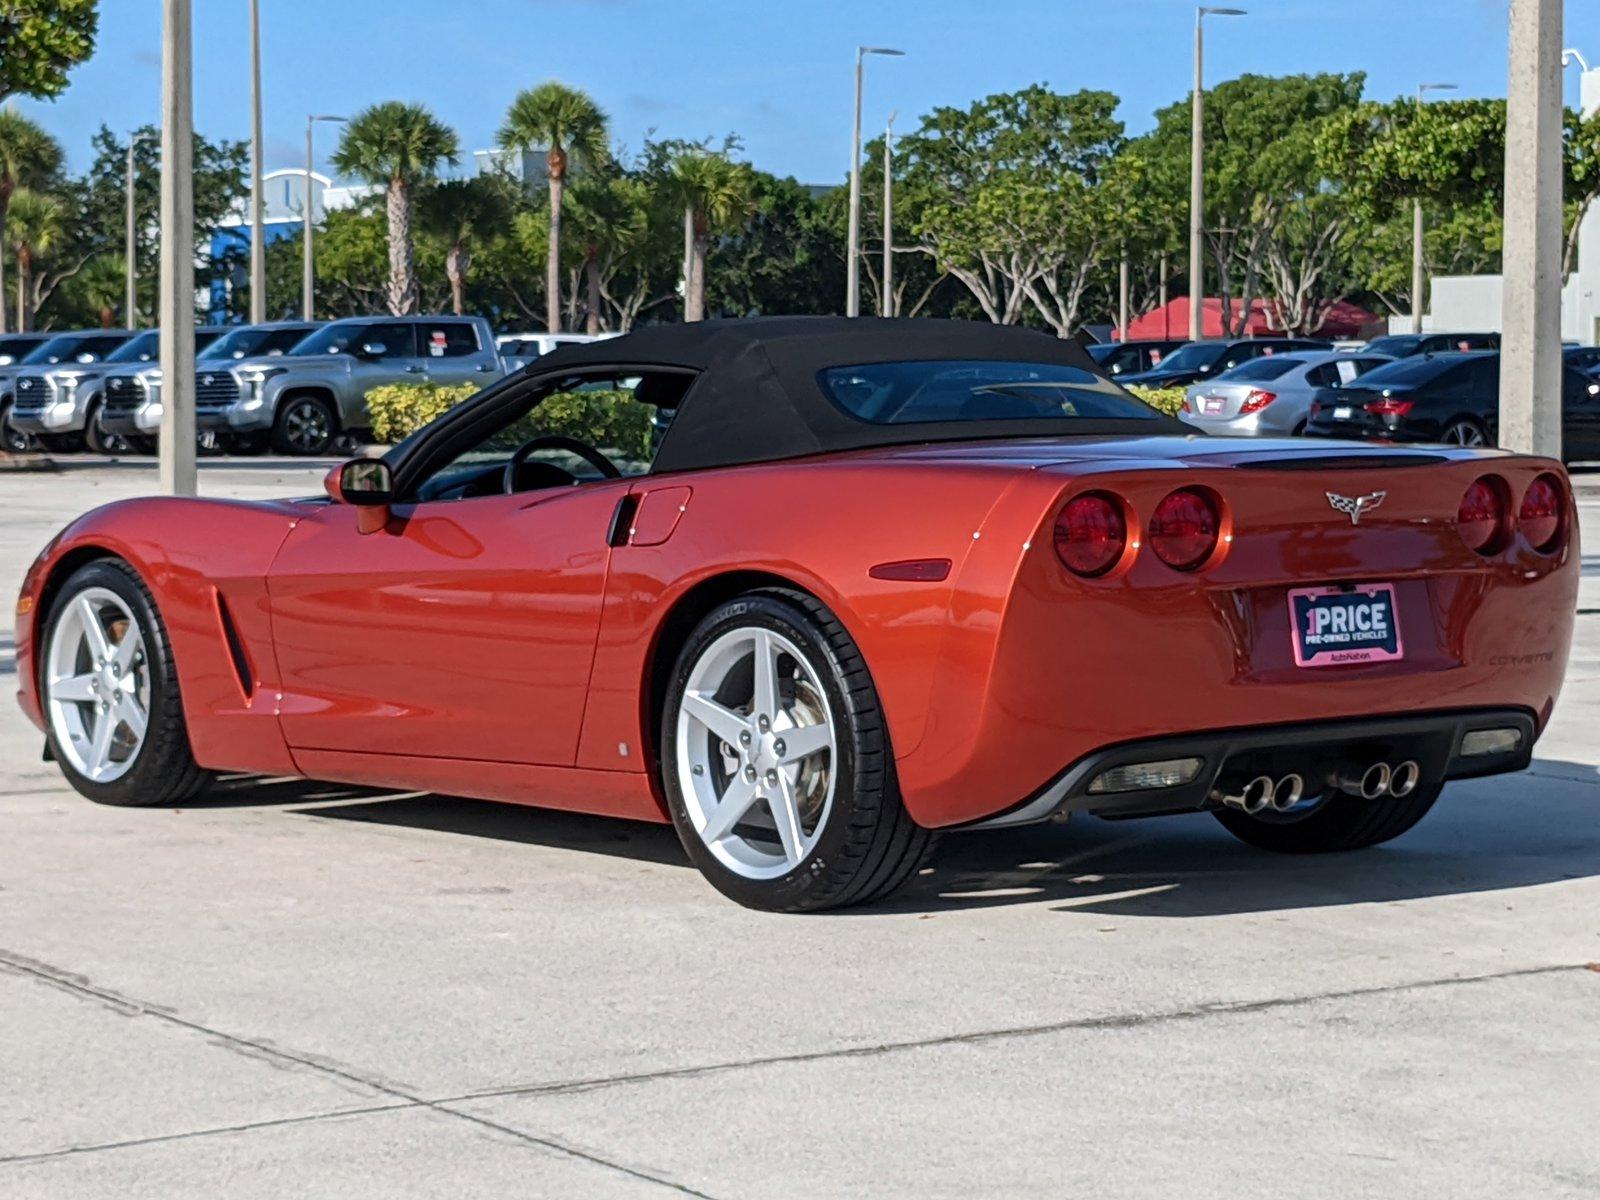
(780, 616)
(165, 703)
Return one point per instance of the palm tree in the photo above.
(712, 189)
(461, 212)
(571, 126)
(611, 219)
(36, 223)
(397, 146)
(102, 283)
(28, 157)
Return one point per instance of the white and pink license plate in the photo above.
(1332, 626)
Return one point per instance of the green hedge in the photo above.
(1168, 400)
(610, 420)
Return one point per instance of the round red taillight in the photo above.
(1091, 534)
(1183, 531)
(1540, 515)
(1482, 515)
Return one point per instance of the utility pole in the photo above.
(1166, 317)
(258, 247)
(177, 249)
(130, 299)
(1197, 187)
(1122, 296)
(852, 287)
(1419, 282)
(1530, 341)
(888, 216)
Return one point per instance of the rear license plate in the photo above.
(1211, 406)
(1332, 626)
(1341, 412)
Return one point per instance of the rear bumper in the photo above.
(1317, 751)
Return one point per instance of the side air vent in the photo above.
(242, 674)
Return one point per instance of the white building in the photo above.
(1471, 303)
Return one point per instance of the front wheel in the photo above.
(98, 438)
(776, 764)
(304, 426)
(113, 716)
(1334, 823)
(12, 439)
(1464, 432)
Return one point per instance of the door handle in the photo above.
(483, 367)
(413, 369)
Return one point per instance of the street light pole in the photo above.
(1530, 340)
(1417, 280)
(308, 281)
(177, 465)
(852, 296)
(130, 300)
(258, 249)
(887, 306)
(1197, 191)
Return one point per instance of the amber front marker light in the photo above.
(24, 605)
(1145, 777)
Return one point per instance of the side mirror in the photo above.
(373, 350)
(366, 484)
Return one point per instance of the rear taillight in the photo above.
(1091, 534)
(1481, 518)
(1390, 408)
(1183, 531)
(1256, 401)
(1540, 514)
(1185, 406)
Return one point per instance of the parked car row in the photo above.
(294, 387)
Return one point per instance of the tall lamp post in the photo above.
(308, 283)
(258, 249)
(130, 242)
(887, 307)
(1417, 281)
(1197, 191)
(852, 297)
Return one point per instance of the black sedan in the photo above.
(1119, 359)
(1202, 360)
(1453, 398)
(1404, 345)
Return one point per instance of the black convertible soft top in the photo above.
(756, 396)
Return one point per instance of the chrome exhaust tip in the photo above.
(1251, 799)
(1287, 791)
(1375, 782)
(1404, 779)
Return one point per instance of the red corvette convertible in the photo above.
(882, 579)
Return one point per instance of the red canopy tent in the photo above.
(1344, 320)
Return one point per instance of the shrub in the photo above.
(1168, 400)
(609, 420)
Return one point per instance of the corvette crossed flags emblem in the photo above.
(1354, 506)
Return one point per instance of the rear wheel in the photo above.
(776, 764)
(114, 718)
(100, 440)
(1336, 822)
(304, 425)
(1464, 432)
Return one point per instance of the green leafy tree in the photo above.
(463, 213)
(568, 126)
(787, 257)
(40, 41)
(29, 157)
(711, 190)
(399, 147)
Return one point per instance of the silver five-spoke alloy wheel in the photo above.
(1464, 433)
(756, 752)
(97, 685)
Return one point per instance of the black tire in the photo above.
(869, 845)
(164, 772)
(12, 439)
(1340, 823)
(96, 439)
(304, 426)
(1469, 428)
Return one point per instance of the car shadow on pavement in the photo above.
(1539, 827)
(1517, 831)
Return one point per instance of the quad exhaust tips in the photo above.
(1264, 792)
(1380, 779)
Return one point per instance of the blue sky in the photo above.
(777, 74)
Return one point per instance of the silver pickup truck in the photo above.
(299, 403)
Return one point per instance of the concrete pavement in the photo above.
(298, 989)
